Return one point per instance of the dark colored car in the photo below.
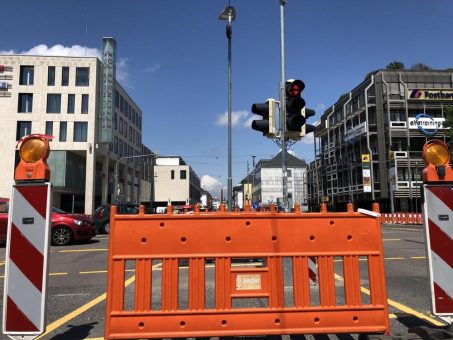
(66, 228)
(101, 215)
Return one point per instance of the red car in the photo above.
(66, 227)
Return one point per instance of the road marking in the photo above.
(418, 257)
(56, 324)
(400, 306)
(394, 258)
(82, 250)
(390, 239)
(57, 274)
(94, 272)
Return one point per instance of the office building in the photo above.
(61, 97)
(368, 146)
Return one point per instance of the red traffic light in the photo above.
(294, 88)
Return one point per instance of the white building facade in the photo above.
(61, 97)
(175, 182)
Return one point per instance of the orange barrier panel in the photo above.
(179, 292)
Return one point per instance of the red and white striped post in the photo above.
(438, 223)
(26, 269)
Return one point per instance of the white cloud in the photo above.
(59, 50)
(122, 72)
(309, 139)
(211, 184)
(320, 108)
(242, 118)
(153, 69)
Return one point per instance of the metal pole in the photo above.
(230, 179)
(283, 106)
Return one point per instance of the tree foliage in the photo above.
(420, 67)
(395, 65)
(448, 114)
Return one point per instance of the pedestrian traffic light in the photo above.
(267, 110)
(33, 151)
(437, 158)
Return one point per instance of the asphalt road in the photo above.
(78, 276)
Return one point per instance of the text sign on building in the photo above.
(108, 89)
(426, 124)
(366, 172)
(431, 94)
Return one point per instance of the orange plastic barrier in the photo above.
(193, 277)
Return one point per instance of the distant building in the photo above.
(368, 146)
(61, 97)
(175, 182)
(267, 181)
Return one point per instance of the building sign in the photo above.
(354, 132)
(3, 85)
(2, 68)
(366, 172)
(108, 90)
(423, 94)
(426, 124)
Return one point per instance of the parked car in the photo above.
(4, 205)
(66, 228)
(101, 215)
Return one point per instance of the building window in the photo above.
(23, 129)
(183, 174)
(115, 147)
(27, 74)
(49, 128)
(117, 99)
(115, 121)
(120, 152)
(71, 103)
(53, 103)
(84, 103)
(125, 129)
(80, 131)
(173, 174)
(289, 173)
(121, 125)
(121, 103)
(25, 102)
(63, 131)
(51, 76)
(65, 76)
(82, 76)
(131, 134)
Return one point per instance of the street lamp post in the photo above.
(229, 14)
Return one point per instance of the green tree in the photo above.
(448, 113)
(420, 67)
(395, 65)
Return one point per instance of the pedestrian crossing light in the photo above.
(266, 125)
(33, 151)
(307, 128)
(437, 157)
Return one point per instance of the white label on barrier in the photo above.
(248, 282)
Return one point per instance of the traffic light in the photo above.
(307, 128)
(294, 106)
(33, 151)
(437, 158)
(267, 110)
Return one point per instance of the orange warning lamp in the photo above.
(437, 157)
(33, 151)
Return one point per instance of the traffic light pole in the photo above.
(283, 106)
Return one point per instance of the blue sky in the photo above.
(172, 59)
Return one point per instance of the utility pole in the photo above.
(283, 106)
(253, 176)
